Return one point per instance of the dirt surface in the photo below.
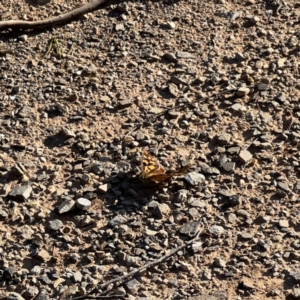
(212, 82)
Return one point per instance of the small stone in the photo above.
(25, 231)
(245, 156)
(284, 186)
(228, 166)
(281, 62)
(161, 210)
(120, 27)
(104, 99)
(223, 139)
(14, 296)
(117, 220)
(241, 92)
(83, 203)
(247, 284)
(173, 89)
(197, 202)
(55, 224)
(36, 270)
(125, 103)
(206, 169)
(194, 178)
(8, 274)
(171, 25)
(297, 185)
(120, 291)
(77, 276)
(43, 295)
(66, 206)
(132, 285)
(232, 218)
(220, 263)
(181, 54)
(43, 255)
(189, 228)
(238, 107)
(216, 230)
(31, 292)
(281, 98)
(3, 214)
(295, 293)
(45, 279)
(283, 223)
(171, 57)
(239, 57)
(21, 192)
(23, 37)
(67, 132)
(262, 87)
(246, 235)
(186, 267)
(295, 275)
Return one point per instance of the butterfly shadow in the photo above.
(128, 193)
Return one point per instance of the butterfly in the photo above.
(153, 171)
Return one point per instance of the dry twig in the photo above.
(119, 280)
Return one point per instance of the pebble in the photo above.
(284, 223)
(194, 178)
(66, 206)
(189, 228)
(220, 263)
(245, 156)
(21, 192)
(161, 210)
(216, 230)
(77, 276)
(31, 292)
(43, 295)
(182, 54)
(43, 255)
(223, 139)
(14, 296)
(132, 285)
(55, 224)
(117, 220)
(83, 203)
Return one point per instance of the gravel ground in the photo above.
(212, 82)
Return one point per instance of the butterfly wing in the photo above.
(150, 166)
(153, 171)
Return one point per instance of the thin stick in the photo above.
(136, 271)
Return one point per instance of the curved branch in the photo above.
(58, 20)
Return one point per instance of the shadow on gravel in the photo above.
(56, 140)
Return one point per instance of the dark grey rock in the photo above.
(31, 292)
(9, 274)
(190, 228)
(43, 295)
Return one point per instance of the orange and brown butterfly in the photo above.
(153, 171)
